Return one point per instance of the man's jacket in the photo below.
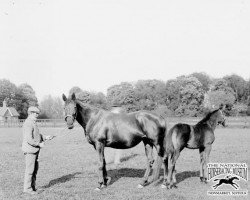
(31, 137)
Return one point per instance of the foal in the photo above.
(199, 136)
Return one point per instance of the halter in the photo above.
(70, 116)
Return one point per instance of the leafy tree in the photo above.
(204, 79)
(75, 90)
(222, 85)
(98, 100)
(173, 88)
(7, 91)
(51, 107)
(26, 97)
(150, 93)
(220, 93)
(239, 108)
(191, 96)
(239, 86)
(213, 99)
(123, 95)
(28, 92)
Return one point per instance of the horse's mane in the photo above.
(207, 117)
(87, 106)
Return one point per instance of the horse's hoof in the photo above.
(140, 186)
(163, 186)
(98, 189)
(108, 180)
(103, 186)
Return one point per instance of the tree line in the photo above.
(191, 95)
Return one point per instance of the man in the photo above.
(32, 142)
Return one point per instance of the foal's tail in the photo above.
(160, 150)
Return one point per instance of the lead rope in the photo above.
(55, 136)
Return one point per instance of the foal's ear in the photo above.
(64, 97)
(73, 97)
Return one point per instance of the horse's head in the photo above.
(221, 117)
(70, 110)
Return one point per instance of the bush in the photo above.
(164, 111)
(248, 111)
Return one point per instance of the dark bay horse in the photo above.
(199, 136)
(118, 130)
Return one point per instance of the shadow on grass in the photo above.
(183, 175)
(62, 179)
(126, 158)
(116, 174)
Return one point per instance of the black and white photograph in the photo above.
(126, 100)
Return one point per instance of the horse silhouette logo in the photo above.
(227, 180)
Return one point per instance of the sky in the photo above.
(54, 45)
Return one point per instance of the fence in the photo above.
(232, 122)
(40, 123)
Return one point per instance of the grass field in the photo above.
(68, 168)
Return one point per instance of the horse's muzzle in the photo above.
(70, 122)
(70, 126)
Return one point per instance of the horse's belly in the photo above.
(123, 141)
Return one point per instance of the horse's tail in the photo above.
(160, 150)
(168, 146)
(170, 141)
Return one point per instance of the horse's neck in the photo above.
(212, 122)
(83, 115)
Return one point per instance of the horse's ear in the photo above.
(73, 97)
(64, 97)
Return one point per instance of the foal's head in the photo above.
(220, 117)
(70, 110)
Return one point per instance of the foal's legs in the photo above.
(102, 172)
(165, 168)
(204, 159)
(150, 160)
(171, 180)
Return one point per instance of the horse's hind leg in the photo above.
(171, 180)
(165, 168)
(150, 161)
(102, 172)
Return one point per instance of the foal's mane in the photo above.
(207, 117)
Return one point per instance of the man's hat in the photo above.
(33, 109)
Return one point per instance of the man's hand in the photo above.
(41, 145)
(49, 137)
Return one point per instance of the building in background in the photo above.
(8, 113)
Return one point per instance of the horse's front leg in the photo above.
(150, 161)
(102, 172)
(206, 154)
